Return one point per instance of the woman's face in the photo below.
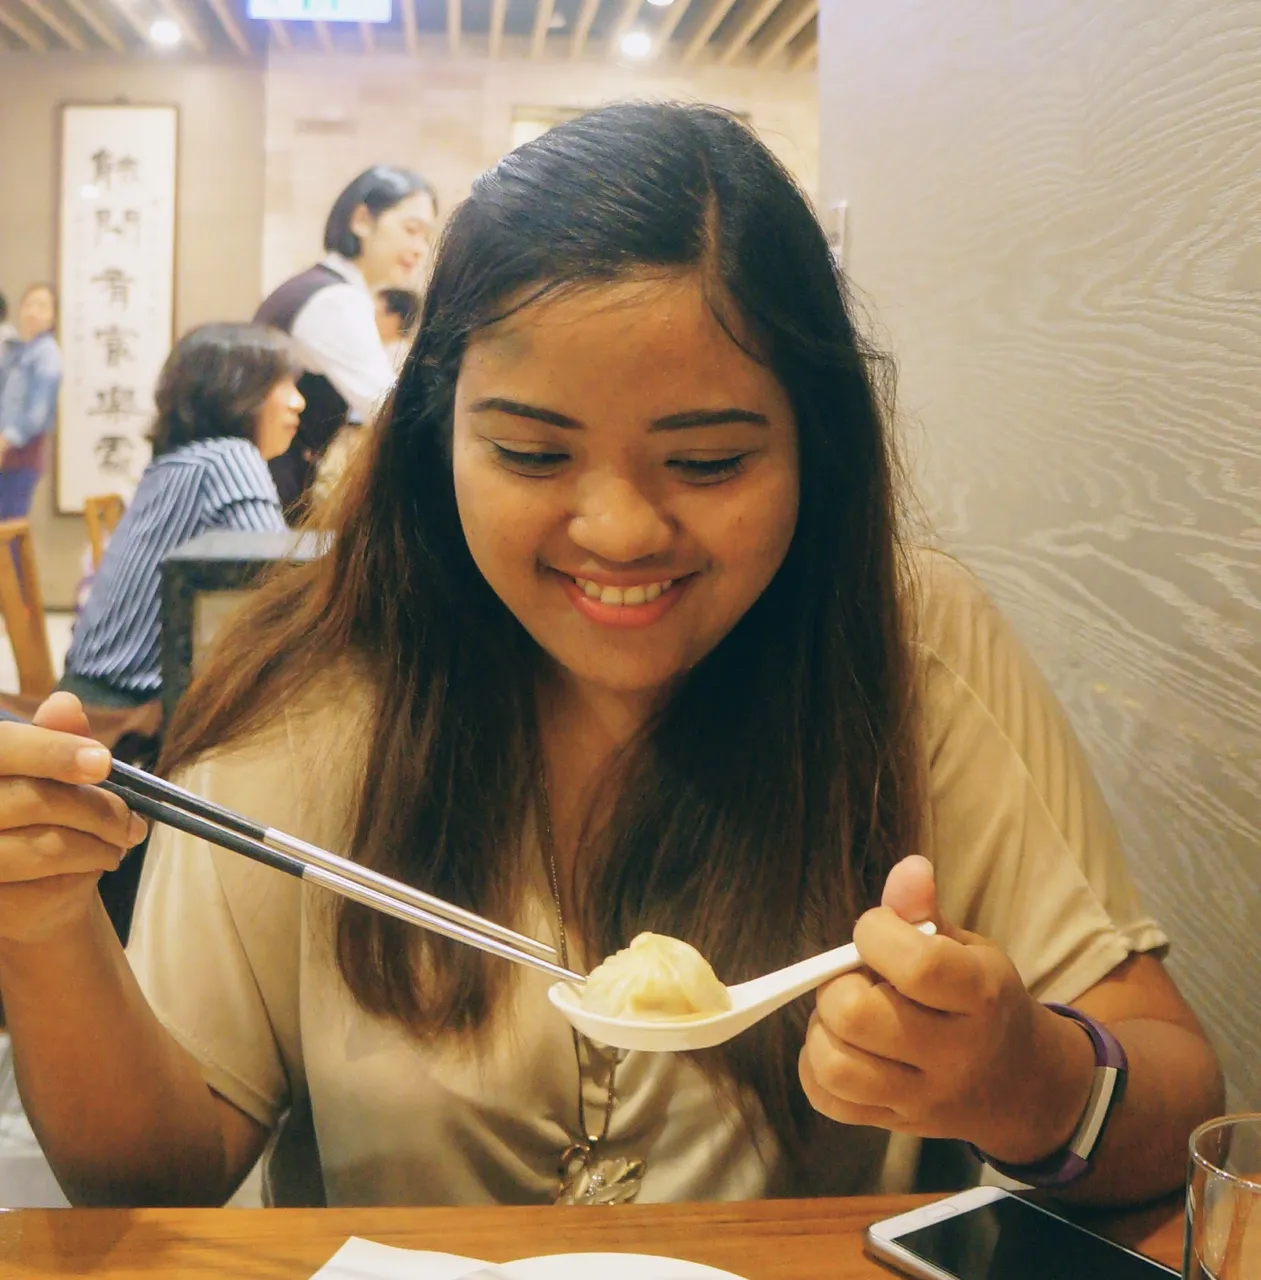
(37, 314)
(278, 418)
(395, 244)
(626, 476)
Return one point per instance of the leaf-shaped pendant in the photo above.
(586, 1179)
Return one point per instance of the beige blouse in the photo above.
(236, 958)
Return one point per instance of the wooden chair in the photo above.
(22, 606)
(101, 514)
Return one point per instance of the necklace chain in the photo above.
(587, 1139)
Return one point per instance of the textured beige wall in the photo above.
(330, 117)
(1055, 210)
(220, 206)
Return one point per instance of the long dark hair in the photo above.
(214, 382)
(757, 815)
(377, 189)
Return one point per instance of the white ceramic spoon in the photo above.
(750, 1002)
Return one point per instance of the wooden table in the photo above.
(765, 1240)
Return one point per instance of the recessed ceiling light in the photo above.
(165, 33)
(636, 44)
(559, 22)
(661, 4)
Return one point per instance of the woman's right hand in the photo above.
(57, 833)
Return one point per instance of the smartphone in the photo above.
(990, 1234)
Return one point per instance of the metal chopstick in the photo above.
(381, 896)
(139, 782)
(176, 807)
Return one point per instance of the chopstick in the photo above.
(173, 806)
(142, 784)
(391, 897)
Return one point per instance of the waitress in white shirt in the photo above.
(376, 237)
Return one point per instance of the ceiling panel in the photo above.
(215, 28)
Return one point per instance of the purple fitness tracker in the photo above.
(1072, 1161)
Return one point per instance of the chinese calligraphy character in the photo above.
(116, 343)
(127, 228)
(117, 285)
(102, 167)
(113, 453)
(115, 402)
(105, 165)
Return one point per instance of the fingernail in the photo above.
(93, 759)
(138, 829)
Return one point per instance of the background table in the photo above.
(764, 1240)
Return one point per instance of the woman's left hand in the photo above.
(938, 1037)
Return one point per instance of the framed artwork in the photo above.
(116, 280)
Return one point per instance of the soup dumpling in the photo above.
(655, 979)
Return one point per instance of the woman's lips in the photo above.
(624, 607)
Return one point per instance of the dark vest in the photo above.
(325, 412)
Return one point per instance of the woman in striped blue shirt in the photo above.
(227, 401)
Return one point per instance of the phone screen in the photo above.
(1011, 1240)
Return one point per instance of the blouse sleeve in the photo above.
(215, 939)
(252, 515)
(1025, 849)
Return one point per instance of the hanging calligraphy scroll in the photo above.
(116, 279)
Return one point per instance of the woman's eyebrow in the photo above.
(709, 418)
(516, 409)
(672, 422)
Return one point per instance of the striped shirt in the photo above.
(209, 484)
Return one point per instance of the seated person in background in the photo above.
(227, 401)
(397, 313)
(618, 632)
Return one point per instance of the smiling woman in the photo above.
(616, 635)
